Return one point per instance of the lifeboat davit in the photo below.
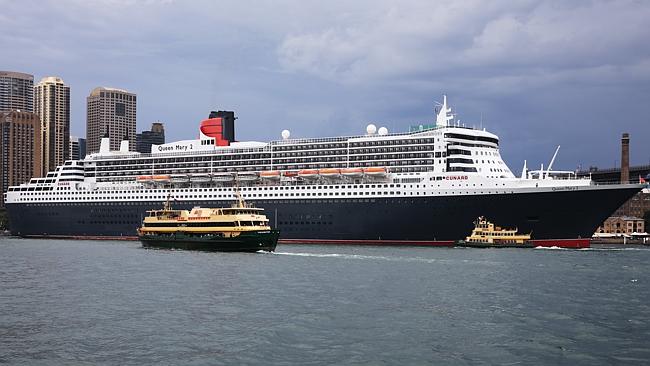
(308, 173)
(352, 172)
(270, 174)
(375, 171)
(330, 172)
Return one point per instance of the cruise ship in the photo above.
(422, 187)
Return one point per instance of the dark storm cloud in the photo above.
(537, 73)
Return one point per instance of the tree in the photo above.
(4, 220)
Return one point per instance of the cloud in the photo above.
(328, 68)
(498, 41)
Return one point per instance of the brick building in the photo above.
(20, 145)
(622, 225)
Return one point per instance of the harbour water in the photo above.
(115, 303)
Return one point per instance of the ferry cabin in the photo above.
(206, 220)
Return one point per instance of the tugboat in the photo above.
(487, 235)
(239, 228)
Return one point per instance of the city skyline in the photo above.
(537, 74)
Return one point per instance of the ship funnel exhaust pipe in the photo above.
(105, 145)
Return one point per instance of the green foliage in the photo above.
(4, 220)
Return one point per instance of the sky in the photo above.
(537, 73)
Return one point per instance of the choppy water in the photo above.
(93, 302)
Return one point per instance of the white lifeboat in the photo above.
(247, 176)
(222, 177)
(179, 178)
(200, 178)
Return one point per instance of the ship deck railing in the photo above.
(181, 153)
(614, 182)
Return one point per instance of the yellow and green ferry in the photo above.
(239, 228)
(488, 235)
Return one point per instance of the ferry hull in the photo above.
(466, 244)
(245, 242)
(436, 219)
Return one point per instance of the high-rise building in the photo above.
(110, 111)
(16, 91)
(145, 139)
(52, 104)
(20, 147)
(77, 148)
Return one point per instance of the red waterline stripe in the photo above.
(83, 237)
(563, 243)
(424, 243)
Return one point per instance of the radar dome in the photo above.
(286, 134)
(383, 131)
(371, 129)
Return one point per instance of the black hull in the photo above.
(547, 215)
(246, 242)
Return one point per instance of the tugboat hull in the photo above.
(245, 242)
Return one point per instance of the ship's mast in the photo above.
(550, 165)
(444, 116)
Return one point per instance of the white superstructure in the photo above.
(443, 160)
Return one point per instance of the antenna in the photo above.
(240, 200)
(167, 206)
